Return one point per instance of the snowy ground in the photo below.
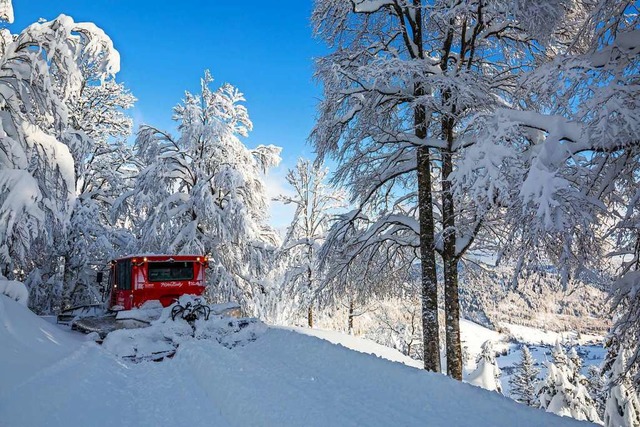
(534, 336)
(359, 344)
(51, 377)
(540, 343)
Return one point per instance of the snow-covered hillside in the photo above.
(281, 378)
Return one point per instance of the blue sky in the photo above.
(264, 48)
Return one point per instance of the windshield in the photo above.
(170, 271)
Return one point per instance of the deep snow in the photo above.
(53, 378)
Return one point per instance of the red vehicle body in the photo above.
(134, 280)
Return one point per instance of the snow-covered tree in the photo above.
(622, 407)
(626, 304)
(398, 325)
(410, 94)
(575, 361)
(42, 68)
(92, 126)
(487, 373)
(203, 192)
(582, 176)
(562, 392)
(315, 205)
(6, 11)
(578, 107)
(524, 380)
(597, 388)
(104, 170)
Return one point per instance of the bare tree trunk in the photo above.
(350, 319)
(450, 261)
(310, 311)
(430, 332)
(67, 280)
(429, 297)
(449, 258)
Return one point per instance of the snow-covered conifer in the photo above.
(562, 392)
(597, 388)
(524, 380)
(575, 362)
(626, 303)
(487, 373)
(622, 407)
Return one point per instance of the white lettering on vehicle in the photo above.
(172, 284)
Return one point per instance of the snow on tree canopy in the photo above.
(487, 373)
(39, 71)
(411, 92)
(203, 192)
(563, 391)
(6, 11)
(622, 407)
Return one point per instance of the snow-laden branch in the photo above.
(370, 6)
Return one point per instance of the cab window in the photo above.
(123, 274)
(170, 271)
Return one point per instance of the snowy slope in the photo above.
(528, 335)
(28, 343)
(472, 335)
(361, 345)
(282, 378)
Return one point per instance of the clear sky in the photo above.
(265, 48)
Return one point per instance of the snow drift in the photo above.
(28, 344)
(15, 290)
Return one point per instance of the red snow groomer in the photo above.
(134, 280)
(139, 287)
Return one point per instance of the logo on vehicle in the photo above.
(171, 284)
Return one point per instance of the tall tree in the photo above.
(410, 89)
(378, 150)
(203, 191)
(597, 388)
(315, 205)
(41, 69)
(104, 169)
